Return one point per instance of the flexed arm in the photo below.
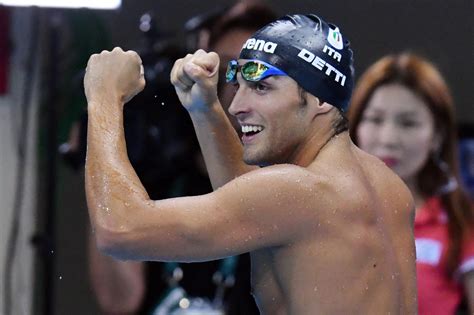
(128, 225)
(195, 79)
(112, 78)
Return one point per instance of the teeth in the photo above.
(248, 128)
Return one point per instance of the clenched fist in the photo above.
(195, 79)
(113, 76)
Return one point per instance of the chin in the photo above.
(260, 156)
(253, 159)
(257, 161)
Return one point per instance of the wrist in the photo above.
(205, 109)
(212, 112)
(104, 104)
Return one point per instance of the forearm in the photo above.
(113, 189)
(119, 286)
(220, 145)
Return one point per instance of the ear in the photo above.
(316, 106)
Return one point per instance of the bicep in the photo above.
(184, 229)
(248, 213)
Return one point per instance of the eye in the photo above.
(259, 86)
(373, 119)
(408, 123)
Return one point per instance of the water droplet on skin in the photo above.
(315, 289)
(150, 204)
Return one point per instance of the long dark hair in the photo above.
(423, 78)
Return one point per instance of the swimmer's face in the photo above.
(272, 118)
(398, 127)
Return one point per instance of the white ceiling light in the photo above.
(93, 4)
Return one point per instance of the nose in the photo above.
(240, 103)
(388, 134)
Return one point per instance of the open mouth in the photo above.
(251, 130)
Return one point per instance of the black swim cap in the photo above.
(311, 51)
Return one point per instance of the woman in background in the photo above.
(403, 113)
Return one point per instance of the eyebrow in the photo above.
(410, 113)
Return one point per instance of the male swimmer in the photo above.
(329, 227)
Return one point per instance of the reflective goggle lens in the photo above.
(253, 71)
(231, 73)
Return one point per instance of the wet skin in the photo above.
(329, 227)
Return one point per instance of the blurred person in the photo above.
(291, 215)
(402, 112)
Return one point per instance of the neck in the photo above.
(320, 136)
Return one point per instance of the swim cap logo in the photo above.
(335, 38)
(322, 65)
(331, 52)
(260, 45)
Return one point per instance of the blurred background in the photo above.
(43, 52)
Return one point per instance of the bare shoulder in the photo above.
(277, 191)
(272, 193)
(280, 181)
(357, 180)
(389, 187)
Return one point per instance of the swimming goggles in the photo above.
(253, 71)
